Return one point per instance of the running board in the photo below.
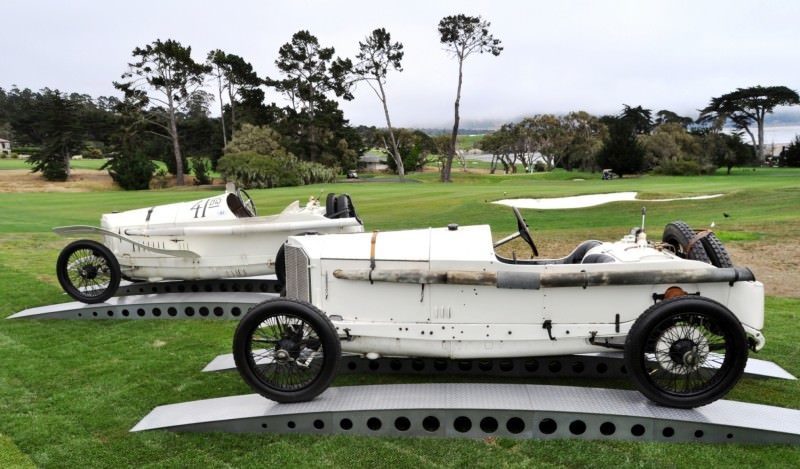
(156, 306)
(589, 365)
(484, 410)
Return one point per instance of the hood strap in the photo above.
(372, 254)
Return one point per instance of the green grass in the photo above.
(71, 390)
(8, 163)
(468, 142)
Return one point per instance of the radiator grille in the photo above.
(297, 282)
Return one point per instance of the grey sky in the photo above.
(559, 55)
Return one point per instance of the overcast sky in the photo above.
(559, 55)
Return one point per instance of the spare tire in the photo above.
(678, 235)
(716, 251)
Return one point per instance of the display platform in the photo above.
(483, 410)
(196, 299)
(589, 365)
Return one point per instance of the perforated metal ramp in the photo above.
(259, 284)
(590, 365)
(481, 410)
(225, 298)
(158, 306)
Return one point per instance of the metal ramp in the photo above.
(155, 306)
(589, 365)
(196, 299)
(483, 410)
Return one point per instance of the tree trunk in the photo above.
(67, 163)
(448, 164)
(401, 171)
(760, 122)
(176, 146)
(222, 111)
(233, 107)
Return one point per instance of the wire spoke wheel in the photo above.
(286, 350)
(290, 356)
(88, 271)
(686, 352)
(682, 347)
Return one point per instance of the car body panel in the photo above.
(439, 293)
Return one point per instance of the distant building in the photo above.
(5, 146)
(373, 161)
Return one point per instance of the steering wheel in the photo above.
(524, 232)
(247, 202)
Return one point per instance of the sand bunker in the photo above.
(581, 201)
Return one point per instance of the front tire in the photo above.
(286, 350)
(88, 271)
(686, 352)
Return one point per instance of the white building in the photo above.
(5, 146)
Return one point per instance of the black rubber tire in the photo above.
(99, 251)
(716, 251)
(330, 205)
(720, 321)
(310, 315)
(344, 207)
(678, 235)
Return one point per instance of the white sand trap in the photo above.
(581, 201)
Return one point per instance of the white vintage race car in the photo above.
(216, 237)
(685, 325)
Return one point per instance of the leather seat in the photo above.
(577, 255)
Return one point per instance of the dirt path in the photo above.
(81, 180)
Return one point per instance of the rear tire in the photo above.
(686, 352)
(286, 350)
(678, 235)
(716, 251)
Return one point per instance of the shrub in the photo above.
(92, 153)
(684, 168)
(253, 170)
(791, 154)
(159, 180)
(313, 173)
(539, 167)
(52, 163)
(131, 170)
(200, 167)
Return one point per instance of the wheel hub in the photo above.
(286, 350)
(88, 272)
(282, 356)
(682, 349)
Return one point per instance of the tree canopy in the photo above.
(162, 78)
(236, 77)
(463, 36)
(376, 56)
(747, 107)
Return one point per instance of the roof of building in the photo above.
(4, 140)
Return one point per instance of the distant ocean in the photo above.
(780, 134)
(777, 134)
